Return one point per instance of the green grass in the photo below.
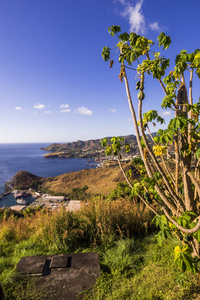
(130, 268)
(133, 265)
(143, 271)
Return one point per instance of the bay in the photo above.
(29, 157)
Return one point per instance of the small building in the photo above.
(54, 198)
(18, 207)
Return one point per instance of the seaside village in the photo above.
(39, 199)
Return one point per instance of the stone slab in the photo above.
(31, 265)
(64, 276)
(60, 261)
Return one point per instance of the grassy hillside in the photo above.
(99, 181)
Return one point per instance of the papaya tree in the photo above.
(169, 163)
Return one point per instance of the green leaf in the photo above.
(137, 161)
(124, 37)
(164, 40)
(114, 29)
(104, 142)
(127, 147)
(197, 236)
(197, 153)
(168, 101)
(106, 53)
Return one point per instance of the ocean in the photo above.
(29, 157)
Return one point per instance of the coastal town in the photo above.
(34, 199)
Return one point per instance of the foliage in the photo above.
(121, 191)
(168, 186)
(79, 193)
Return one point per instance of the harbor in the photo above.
(20, 200)
(8, 199)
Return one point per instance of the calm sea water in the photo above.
(29, 157)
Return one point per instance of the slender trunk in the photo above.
(177, 154)
(165, 200)
(186, 157)
(177, 200)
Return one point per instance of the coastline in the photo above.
(29, 157)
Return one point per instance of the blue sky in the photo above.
(54, 84)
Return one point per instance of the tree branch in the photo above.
(149, 206)
(163, 87)
(193, 230)
(127, 180)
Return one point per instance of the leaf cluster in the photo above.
(115, 146)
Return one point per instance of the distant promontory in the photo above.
(90, 148)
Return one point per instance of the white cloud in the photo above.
(113, 110)
(39, 106)
(65, 110)
(154, 26)
(83, 111)
(48, 112)
(18, 108)
(166, 113)
(128, 120)
(64, 105)
(135, 16)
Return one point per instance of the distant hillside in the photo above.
(84, 145)
(90, 148)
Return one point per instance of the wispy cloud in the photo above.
(166, 113)
(135, 15)
(18, 108)
(83, 111)
(64, 105)
(39, 106)
(113, 110)
(132, 10)
(65, 110)
(154, 26)
(128, 120)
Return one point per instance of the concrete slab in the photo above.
(63, 276)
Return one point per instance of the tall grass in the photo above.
(95, 227)
(132, 265)
(91, 225)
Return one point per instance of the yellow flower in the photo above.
(159, 150)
